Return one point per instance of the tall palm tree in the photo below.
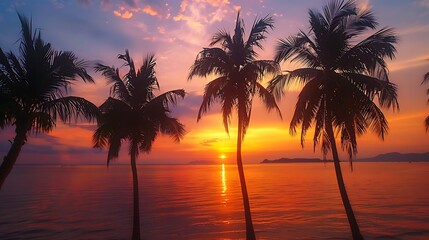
(33, 89)
(239, 75)
(133, 113)
(425, 80)
(344, 73)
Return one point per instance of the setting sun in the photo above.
(222, 156)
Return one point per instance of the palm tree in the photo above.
(344, 72)
(425, 80)
(239, 75)
(134, 114)
(33, 89)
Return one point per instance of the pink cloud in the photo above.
(150, 10)
(122, 13)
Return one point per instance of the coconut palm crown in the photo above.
(233, 60)
(33, 90)
(133, 113)
(344, 72)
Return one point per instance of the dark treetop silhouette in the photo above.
(239, 75)
(344, 73)
(134, 114)
(425, 80)
(32, 90)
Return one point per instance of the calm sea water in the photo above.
(288, 201)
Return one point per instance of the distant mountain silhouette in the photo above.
(398, 157)
(386, 157)
(293, 160)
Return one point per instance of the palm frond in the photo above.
(114, 147)
(142, 85)
(298, 48)
(362, 21)
(27, 41)
(70, 109)
(368, 55)
(67, 66)
(308, 104)
(291, 78)
(336, 12)
(268, 99)
(166, 99)
(427, 123)
(371, 86)
(259, 30)
(238, 37)
(172, 127)
(210, 61)
(426, 78)
(212, 92)
(258, 69)
(9, 109)
(41, 122)
(228, 98)
(223, 38)
(128, 61)
(118, 88)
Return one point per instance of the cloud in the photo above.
(150, 10)
(122, 13)
(409, 63)
(364, 4)
(198, 13)
(218, 3)
(209, 142)
(414, 29)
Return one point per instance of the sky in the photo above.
(175, 31)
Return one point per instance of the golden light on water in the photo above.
(224, 186)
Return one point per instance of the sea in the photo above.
(288, 201)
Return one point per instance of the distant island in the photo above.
(294, 160)
(386, 157)
(398, 157)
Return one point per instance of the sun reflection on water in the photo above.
(224, 186)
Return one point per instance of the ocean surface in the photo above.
(288, 201)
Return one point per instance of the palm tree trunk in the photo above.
(11, 157)
(346, 202)
(136, 212)
(250, 232)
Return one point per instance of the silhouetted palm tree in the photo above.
(425, 80)
(134, 114)
(344, 73)
(239, 75)
(32, 90)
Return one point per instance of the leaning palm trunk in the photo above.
(11, 157)
(136, 215)
(344, 197)
(250, 232)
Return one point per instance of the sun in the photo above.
(222, 156)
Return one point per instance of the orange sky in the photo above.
(176, 31)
